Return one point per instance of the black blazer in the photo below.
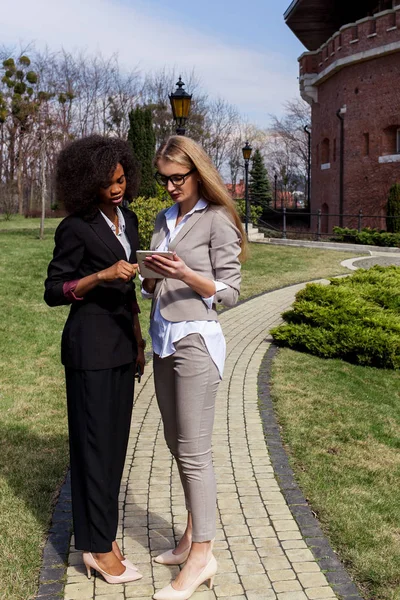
(98, 333)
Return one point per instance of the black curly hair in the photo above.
(86, 164)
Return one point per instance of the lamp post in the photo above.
(247, 150)
(180, 104)
(275, 187)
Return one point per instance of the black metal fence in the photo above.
(317, 225)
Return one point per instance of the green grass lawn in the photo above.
(19, 222)
(271, 267)
(341, 425)
(34, 452)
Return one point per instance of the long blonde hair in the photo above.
(187, 152)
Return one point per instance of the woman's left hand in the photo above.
(174, 268)
(141, 360)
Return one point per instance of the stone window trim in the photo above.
(326, 166)
(389, 158)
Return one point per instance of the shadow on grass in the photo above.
(33, 466)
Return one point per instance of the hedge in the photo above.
(356, 318)
(146, 210)
(368, 236)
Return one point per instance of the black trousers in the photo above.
(99, 417)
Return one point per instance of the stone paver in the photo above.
(258, 545)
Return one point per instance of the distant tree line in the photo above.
(48, 98)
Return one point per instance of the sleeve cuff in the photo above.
(145, 294)
(69, 290)
(218, 287)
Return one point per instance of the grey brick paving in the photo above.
(259, 546)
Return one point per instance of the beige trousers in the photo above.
(186, 386)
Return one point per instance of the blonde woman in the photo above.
(205, 233)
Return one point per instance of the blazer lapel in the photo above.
(194, 218)
(160, 235)
(132, 234)
(102, 229)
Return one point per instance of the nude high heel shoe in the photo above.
(127, 563)
(207, 574)
(125, 577)
(169, 558)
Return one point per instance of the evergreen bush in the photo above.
(259, 186)
(356, 318)
(143, 140)
(255, 211)
(368, 236)
(146, 210)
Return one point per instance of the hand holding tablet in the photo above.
(145, 270)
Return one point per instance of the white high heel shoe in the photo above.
(170, 558)
(207, 574)
(127, 563)
(125, 577)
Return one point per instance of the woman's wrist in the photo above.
(188, 276)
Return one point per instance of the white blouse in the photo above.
(165, 333)
(121, 236)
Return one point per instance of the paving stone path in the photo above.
(259, 547)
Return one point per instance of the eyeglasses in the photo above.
(176, 180)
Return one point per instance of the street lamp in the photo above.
(247, 150)
(180, 104)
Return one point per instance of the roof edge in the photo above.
(290, 9)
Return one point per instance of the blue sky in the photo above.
(242, 51)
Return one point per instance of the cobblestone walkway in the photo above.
(259, 548)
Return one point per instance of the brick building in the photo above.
(350, 75)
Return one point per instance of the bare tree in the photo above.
(221, 122)
(288, 150)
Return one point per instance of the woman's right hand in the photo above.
(120, 270)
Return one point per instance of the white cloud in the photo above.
(257, 83)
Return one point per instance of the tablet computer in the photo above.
(146, 271)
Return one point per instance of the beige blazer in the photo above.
(209, 243)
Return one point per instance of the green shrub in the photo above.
(393, 209)
(146, 210)
(356, 318)
(368, 236)
(255, 211)
(345, 234)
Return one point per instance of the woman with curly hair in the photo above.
(205, 234)
(93, 265)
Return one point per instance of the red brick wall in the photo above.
(371, 92)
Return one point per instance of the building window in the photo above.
(390, 145)
(390, 140)
(354, 34)
(392, 21)
(372, 27)
(366, 144)
(325, 151)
